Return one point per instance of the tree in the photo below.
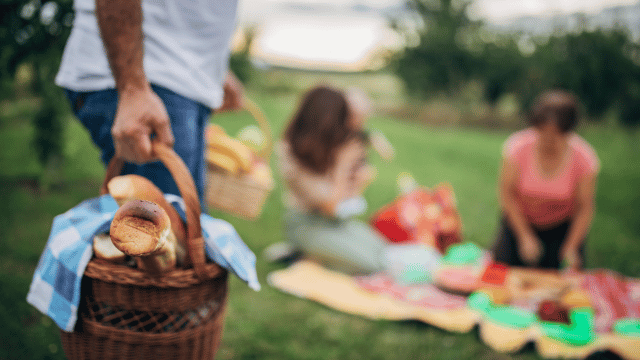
(443, 59)
(35, 33)
(594, 65)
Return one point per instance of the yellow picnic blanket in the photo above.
(342, 292)
(370, 297)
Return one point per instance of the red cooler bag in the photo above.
(421, 216)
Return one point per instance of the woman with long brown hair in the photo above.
(323, 161)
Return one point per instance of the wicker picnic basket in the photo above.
(240, 194)
(126, 313)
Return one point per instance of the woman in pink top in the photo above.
(547, 186)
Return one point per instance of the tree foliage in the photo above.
(601, 67)
(34, 33)
(442, 61)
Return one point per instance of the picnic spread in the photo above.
(564, 313)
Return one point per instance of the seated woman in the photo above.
(546, 188)
(323, 161)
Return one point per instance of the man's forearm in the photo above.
(120, 23)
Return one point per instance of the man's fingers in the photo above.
(164, 134)
(143, 149)
(136, 150)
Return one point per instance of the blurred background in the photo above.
(450, 80)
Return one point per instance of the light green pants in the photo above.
(350, 246)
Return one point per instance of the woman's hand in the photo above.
(530, 249)
(570, 257)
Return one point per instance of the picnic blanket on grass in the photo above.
(615, 300)
(375, 297)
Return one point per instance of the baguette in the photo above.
(129, 187)
(234, 149)
(142, 229)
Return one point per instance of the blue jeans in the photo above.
(96, 110)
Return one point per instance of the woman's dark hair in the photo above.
(558, 106)
(320, 128)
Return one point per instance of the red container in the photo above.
(422, 216)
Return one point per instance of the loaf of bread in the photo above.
(103, 248)
(129, 187)
(142, 229)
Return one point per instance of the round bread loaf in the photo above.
(129, 187)
(140, 228)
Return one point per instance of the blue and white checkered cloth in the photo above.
(55, 288)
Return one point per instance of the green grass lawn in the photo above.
(272, 325)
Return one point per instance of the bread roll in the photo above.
(130, 187)
(103, 248)
(142, 229)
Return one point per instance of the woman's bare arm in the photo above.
(581, 221)
(530, 248)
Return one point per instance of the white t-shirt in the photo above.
(186, 45)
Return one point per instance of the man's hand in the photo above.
(233, 94)
(530, 249)
(140, 114)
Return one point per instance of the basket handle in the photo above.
(187, 188)
(258, 115)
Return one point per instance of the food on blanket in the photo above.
(575, 298)
(580, 331)
(511, 316)
(444, 241)
(233, 148)
(498, 313)
(129, 187)
(499, 296)
(457, 280)
(479, 301)
(463, 265)
(103, 248)
(223, 161)
(495, 274)
(462, 254)
(142, 229)
(536, 284)
(412, 264)
(504, 328)
(629, 327)
(553, 311)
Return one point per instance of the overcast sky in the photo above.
(495, 10)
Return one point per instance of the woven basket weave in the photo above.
(126, 313)
(240, 194)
